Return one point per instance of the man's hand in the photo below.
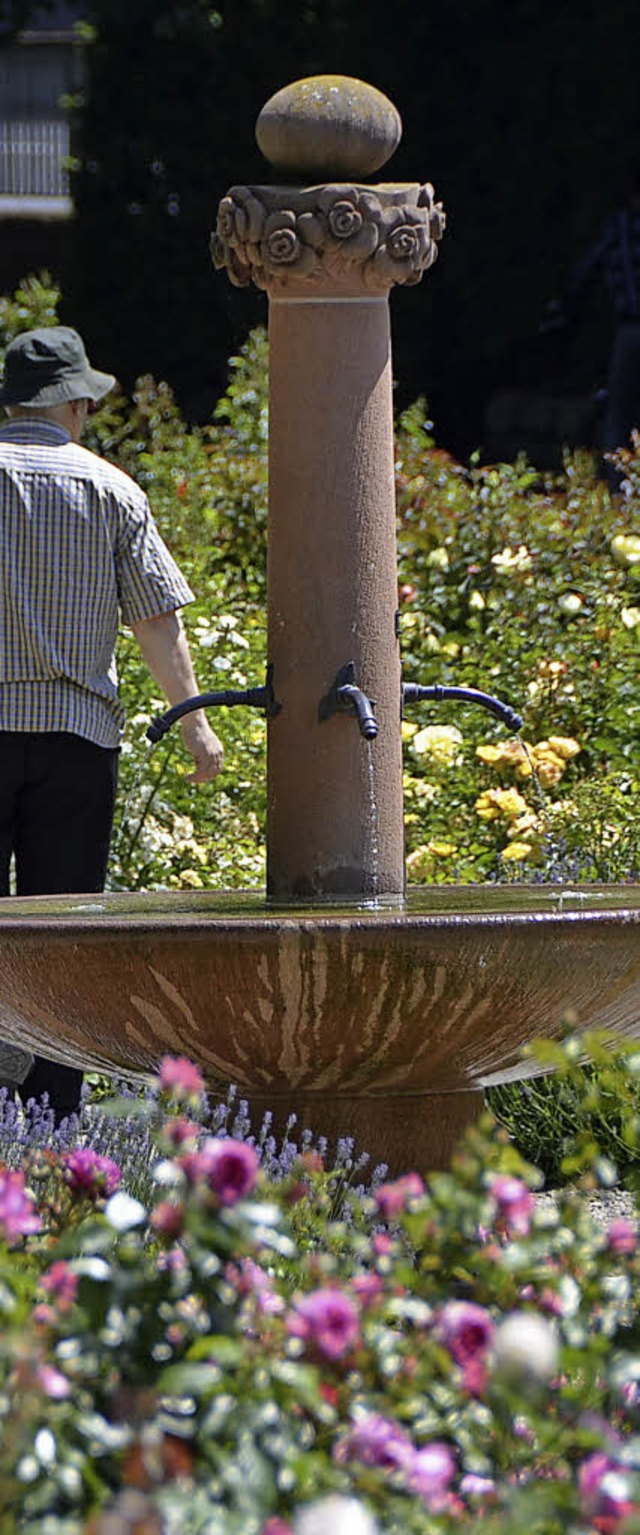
(204, 746)
(166, 652)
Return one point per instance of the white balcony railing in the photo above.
(33, 152)
(34, 181)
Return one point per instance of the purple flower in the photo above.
(18, 1215)
(604, 1491)
(230, 1168)
(474, 1486)
(391, 1198)
(249, 1279)
(376, 1441)
(328, 1321)
(466, 1330)
(431, 1472)
(90, 1175)
(515, 1204)
(622, 1236)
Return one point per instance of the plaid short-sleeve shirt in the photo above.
(79, 551)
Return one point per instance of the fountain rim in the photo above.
(98, 913)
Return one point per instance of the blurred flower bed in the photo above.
(197, 1341)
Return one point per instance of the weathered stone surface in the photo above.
(328, 126)
(333, 237)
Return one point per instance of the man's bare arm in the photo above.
(164, 646)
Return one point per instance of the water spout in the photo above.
(346, 698)
(412, 693)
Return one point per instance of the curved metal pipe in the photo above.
(413, 693)
(255, 698)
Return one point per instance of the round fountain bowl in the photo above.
(353, 1018)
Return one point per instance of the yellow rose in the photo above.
(516, 852)
(496, 804)
(564, 746)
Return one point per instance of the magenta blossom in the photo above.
(60, 1284)
(18, 1214)
(515, 1204)
(276, 1526)
(326, 1320)
(89, 1174)
(622, 1236)
(368, 1288)
(231, 1168)
(376, 1441)
(180, 1079)
(604, 1491)
(391, 1198)
(466, 1330)
(431, 1472)
(249, 1279)
(228, 1167)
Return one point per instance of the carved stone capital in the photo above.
(341, 237)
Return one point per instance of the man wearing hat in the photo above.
(80, 552)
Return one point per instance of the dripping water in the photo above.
(554, 856)
(374, 830)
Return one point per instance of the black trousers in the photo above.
(57, 798)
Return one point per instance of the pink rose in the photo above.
(515, 1204)
(391, 1198)
(328, 1321)
(622, 1236)
(89, 1174)
(231, 1168)
(18, 1214)
(180, 1079)
(466, 1330)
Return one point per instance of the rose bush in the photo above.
(223, 1356)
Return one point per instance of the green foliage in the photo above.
(592, 1098)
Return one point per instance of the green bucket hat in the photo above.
(48, 367)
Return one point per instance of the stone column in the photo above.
(328, 255)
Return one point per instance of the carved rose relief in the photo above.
(345, 227)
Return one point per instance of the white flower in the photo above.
(630, 617)
(438, 559)
(512, 561)
(525, 1349)
(123, 1212)
(569, 604)
(440, 742)
(334, 1515)
(625, 548)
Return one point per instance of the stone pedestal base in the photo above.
(407, 1132)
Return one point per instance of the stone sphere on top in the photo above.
(328, 128)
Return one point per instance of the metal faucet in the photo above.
(345, 698)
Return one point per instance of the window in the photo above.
(36, 72)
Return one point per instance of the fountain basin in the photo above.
(376, 1021)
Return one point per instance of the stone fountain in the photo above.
(360, 1011)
